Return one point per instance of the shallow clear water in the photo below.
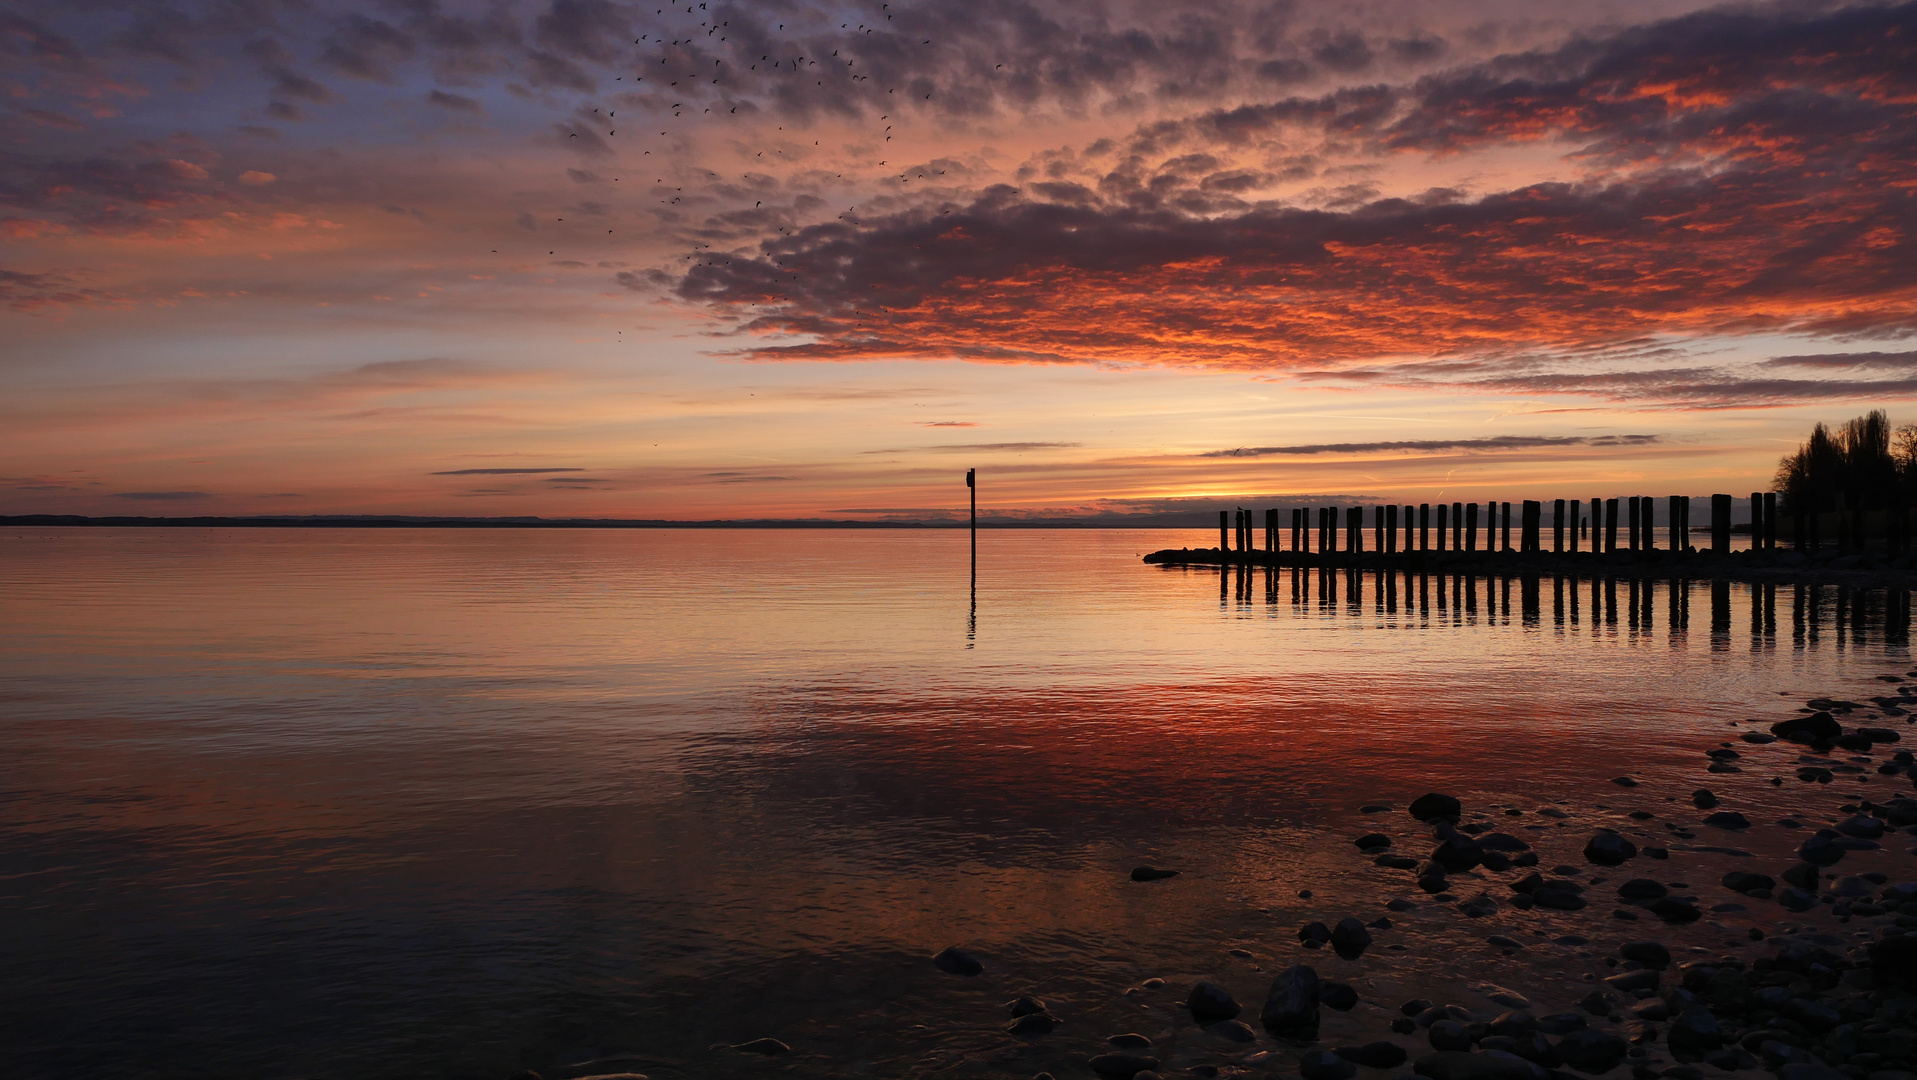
(370, 803)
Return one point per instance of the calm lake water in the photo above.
(369, 803)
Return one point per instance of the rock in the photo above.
(1337, 995)
(1316, 932)
(1597, 1003)
(1649, 953)
(1038, 1023)
(1727, 819)
(1879, 734)
(1517, 1024)
(1803, 875)
(1130, 1040)
(1862, 826)
(1694, 1033)
(1350, 938)
(765, 1047)
(1641, 979)
(1673, 910)
(1373, 808)
(1703, 799)
(1434, 806)
(956, 961)
(1448, 1035)
(1457, 855)
(1396, 862)
(1291, 1005)
(1893, 961)
(1479, 906)
(1592, 1051)
(1373, 840)
(1496, 861)
(1374, 1055)
(1210, 1003)
(1796, 900)
(1503, 942)
(1651, 1010)
(1809, 1070)
(1558, 896)
(1655, 853)
(1757, 737)
(1642, 889)
(1325, 1065)
(1024, 1005)
(1232, 1031)
(1458, 1065)
(1623, 781)
(1609, 849)
(1745, 881)
(1562, 1023)
(1817, 725)
(1122, 1065)
(1414, 1006)
(1501, 841)
(1820, 850)
(1152, 873)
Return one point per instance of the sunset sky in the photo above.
(591, 258)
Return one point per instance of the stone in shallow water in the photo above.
(956, 961)
(1728, 819)
(1434, 805)
(1123, 1066)
(1233, 1031)
(1448, 1034)
(1375, 1055)
(1623, 781)
(1151, 873)
(1350, 938)
(1024, 1005)
(1609, 849)
(1649, 953)
(1703, 799)
(1592, 1051)
(1745, 881)
(1210, 1003)
(1673, 910)
(1038, 1023)
(1291, 1005)
(1642, 889)
(1130, 1040)
(765, 1047)
(1458, 1065)
(1337, 995)
(1325, 1065)
(1373, 840)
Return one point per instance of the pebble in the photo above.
(1152, 873)
(1373, 840)
(1024, 1005)
(1337, 995)
(1703, 799)
(765, 1047)
(1130, 1040)
(1728, 819)
(1649, 953)
(1233, 1031)
(1038, 1023)
(1623, 781)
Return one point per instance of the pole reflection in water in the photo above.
(1720, 616)
(1528, 595)
(1610, 602)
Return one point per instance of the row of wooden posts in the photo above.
(1459, 524)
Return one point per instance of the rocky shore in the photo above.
(1692, 942)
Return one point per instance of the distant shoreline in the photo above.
(374, 521)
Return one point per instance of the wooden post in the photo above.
(1610, 526)
(1354, 529)
(1505, 536)
(1424, 526)
(1557, 526)
(1757, 521)
(1457, 526)
(1528, 539)
(1224, 521)
(1391, 529)
(1471, 527)
(1633, 525)
(1271, 530)
(1597, 526)
(971, 486)
(1377, 528)
(1443, 525)
(1720, 524)
(1770, 521)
